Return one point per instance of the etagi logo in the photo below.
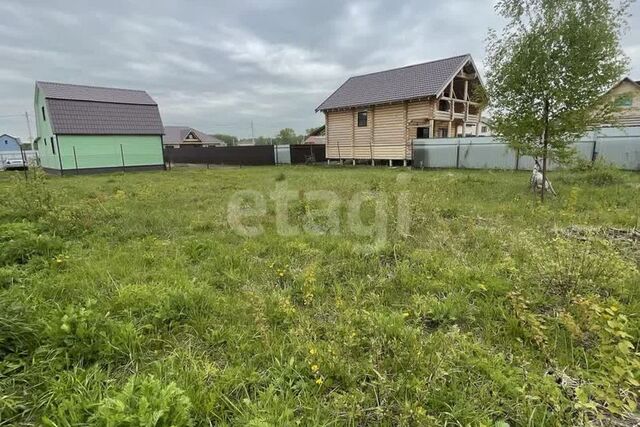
(322, 212)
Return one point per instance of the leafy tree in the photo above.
(549, 69)
(227, 139)
(312, 130)
(287, 136)
(263, 140)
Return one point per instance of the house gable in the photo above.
(89, 110)
(191, 138)
(411, 83)
(9, 143)
(626, 98)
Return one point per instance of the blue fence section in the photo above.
(620, 147)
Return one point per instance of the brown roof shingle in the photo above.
(399, 84)
(103, 118)
(94, 93)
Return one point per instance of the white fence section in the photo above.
(282, 154)
(30, 155)
(620, 147)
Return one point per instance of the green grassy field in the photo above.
(128, 299)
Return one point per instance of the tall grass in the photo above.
(127, 299)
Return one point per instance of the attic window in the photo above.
(624, 101)
(362, 119)
(192, 137)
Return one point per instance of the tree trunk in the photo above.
(545, 148)
(544, 170)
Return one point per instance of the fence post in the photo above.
(24, 163)
(594, 153)
(75, 159)
(59, 155)
(458, 155)
(517, 159)
(412, 153)
(122, 155)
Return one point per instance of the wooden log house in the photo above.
(377, 116)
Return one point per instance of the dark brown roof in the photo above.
(103, 118)
(94, 93)
(90, 110)
(411, 82)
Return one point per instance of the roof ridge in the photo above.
(411, 65)
(90, 86)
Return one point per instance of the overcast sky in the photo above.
(218, 65)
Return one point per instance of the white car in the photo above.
(14, 164)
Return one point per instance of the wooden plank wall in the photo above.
(389, 132)
(362, 137)
(339, 132)
(386, 135)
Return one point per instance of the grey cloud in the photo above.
(218, 65)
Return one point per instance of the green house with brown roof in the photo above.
(84, 129)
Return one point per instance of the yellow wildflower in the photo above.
(319, 381)
(315, 368)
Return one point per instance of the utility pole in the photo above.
(26, 115)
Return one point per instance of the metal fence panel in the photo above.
(486, 156)
(620, 147)
(282, 154)
(250, 155)
(623, 152)
(434, 155)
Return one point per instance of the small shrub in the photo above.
(87, 336)
(32, 198)
(599, 173)
(581, 164)
(614, 386)
(19, 242)
(145, 402)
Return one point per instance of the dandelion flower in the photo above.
(315, 368)
(319, 381)
(312, 351)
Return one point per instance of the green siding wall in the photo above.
(103, 151)
(47, 158)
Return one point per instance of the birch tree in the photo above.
(548, 70)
